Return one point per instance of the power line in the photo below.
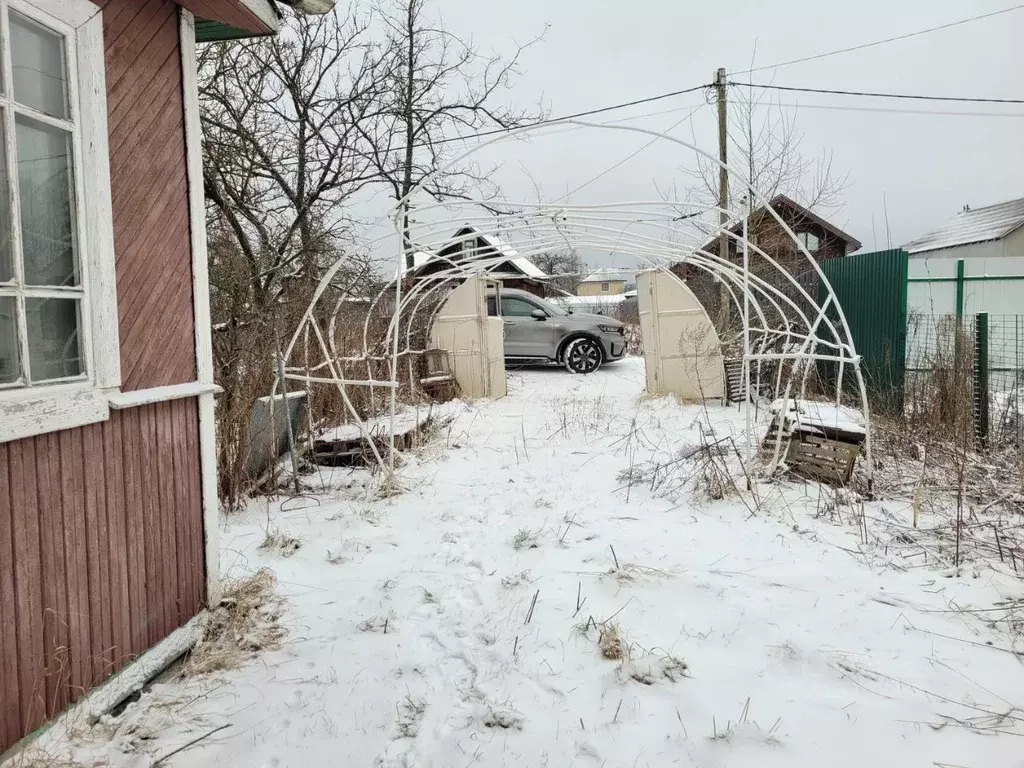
(862, 46)
(897, 111)
(563, 118)
(874, 94)
(628, 157)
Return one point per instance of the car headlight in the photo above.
(611, 328)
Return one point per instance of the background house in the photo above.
(470, 244)
(108, 499)
(609, 281)
(973, 263)
(822, 239)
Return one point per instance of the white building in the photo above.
(973, 263)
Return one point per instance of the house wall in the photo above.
(149, 192)
(594, 288)
(101, 554)
(102, 547)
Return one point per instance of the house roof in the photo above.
(797, 211)
(978, 225)
(521, 263)
(606, 274)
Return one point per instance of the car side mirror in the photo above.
(539, 314)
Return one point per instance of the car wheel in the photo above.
(582, 356)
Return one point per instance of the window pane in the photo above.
(53, 349)
(9, 368)
(513, 307)
(44, 191)
(37, 59)
(6, 255)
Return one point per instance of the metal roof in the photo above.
(978, 225)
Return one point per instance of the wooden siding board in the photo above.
(53, 577)
(195, 505)
(93, 555)
(160, 273)
(27, 586)
(128, 54)
(169, 328)
(131, 436)
(10, 705)
(149, 193)
(117, 544)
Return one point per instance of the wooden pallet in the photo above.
(734, 379)
(827, 458)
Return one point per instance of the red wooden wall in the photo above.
(101, 553)
(101, 529)
(149, 190)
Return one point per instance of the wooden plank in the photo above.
(186, 552)
(118, 545)
(51, 524)
(10, 702)
(128, 421)
(196, 501)
(169, 559)
(28, 593)
(128, 55)
(160, 77)
(148, 487)
(93, 554)
(79, 575)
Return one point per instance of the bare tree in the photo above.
(765, 142)
(439, 87)
(566, 268)
(283, 122)
(284, 151)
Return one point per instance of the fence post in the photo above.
(959, 289)
(981, 393)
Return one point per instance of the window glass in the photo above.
(10, 370)
(512, 306)
(809, 241)
(604, 286)
(37, 63)
(492, 307)
(53, 343)
(6, 253)
(44, 191)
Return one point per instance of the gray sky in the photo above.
(925, 166)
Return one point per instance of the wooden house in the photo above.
(108, 499)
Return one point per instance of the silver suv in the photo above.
(537, 331)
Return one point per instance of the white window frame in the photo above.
(27, 411)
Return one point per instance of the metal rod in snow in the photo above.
(746, 338)
(287, 411)
(394, 361)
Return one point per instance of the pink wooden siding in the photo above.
(145, 117)
(101, 554)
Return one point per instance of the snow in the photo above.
(611, 273)
(977, 225)
(406, 420)
(593, 301)
(812, 413)
(452, 624)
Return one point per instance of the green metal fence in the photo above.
(871, 288)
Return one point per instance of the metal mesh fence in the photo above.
(970, 365)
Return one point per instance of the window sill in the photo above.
(35, 412)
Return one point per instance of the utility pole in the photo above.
(723, 197)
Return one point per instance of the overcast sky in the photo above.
(925, 167)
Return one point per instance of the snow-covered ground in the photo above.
(491, 569)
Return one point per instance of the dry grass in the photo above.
(245, 624)
(281, 543)
(609, 642)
